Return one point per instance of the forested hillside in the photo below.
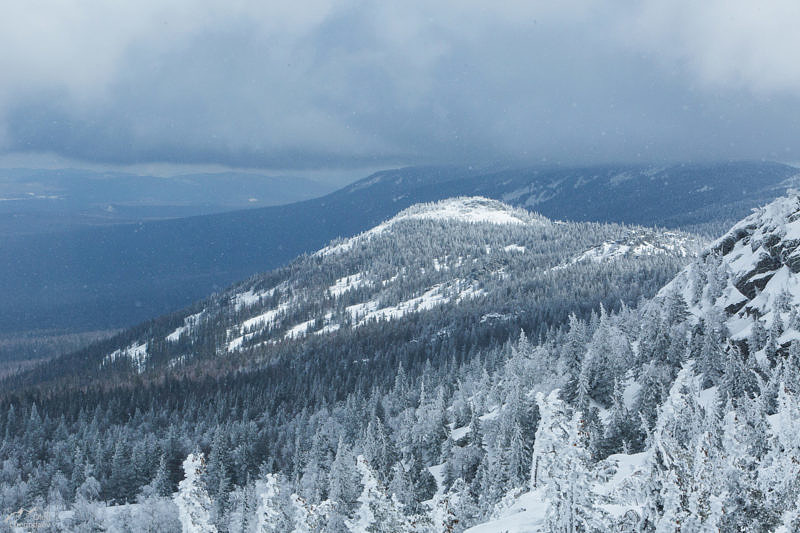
(387, 344)
(431, 283)
(677, 413)
(399, 267)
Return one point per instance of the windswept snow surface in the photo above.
(474, 209)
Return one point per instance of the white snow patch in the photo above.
(437, 472)
(236, 343)
(437, 295)
(330, 328)
(495, 316)
(630, 393)
(299, 330)
(708, 398)
(491, 415)
(265, 319)
(525, 515)
(136, 353)
(783, 281)
(347, 283)
(357, 311)
(638, 244)
(468, 209)
(253, 326)
(250, 297)
(672, 243)
(459, 433)
(189, 323)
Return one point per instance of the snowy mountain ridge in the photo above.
(464, 209)
(352, 288)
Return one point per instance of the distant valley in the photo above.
(43, 200)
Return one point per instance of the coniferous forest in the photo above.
(463, 365)
(342, 266)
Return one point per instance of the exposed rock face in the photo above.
(758, 247)
(751, 273)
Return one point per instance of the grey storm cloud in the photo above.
(352, 83)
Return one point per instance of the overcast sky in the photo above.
(318, 84)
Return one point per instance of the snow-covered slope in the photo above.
(615, 418)
(465, 252)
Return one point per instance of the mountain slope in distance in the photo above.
(117, 276)
(424, 275)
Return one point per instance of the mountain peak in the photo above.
(462, 209)
(471, 209)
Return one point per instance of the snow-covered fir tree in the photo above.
(194, 504)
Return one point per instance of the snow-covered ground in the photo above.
(673, 243)
(441, 294)
(250, 297)
(637, 244)
(526, 513)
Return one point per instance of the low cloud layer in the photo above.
(343, 84)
